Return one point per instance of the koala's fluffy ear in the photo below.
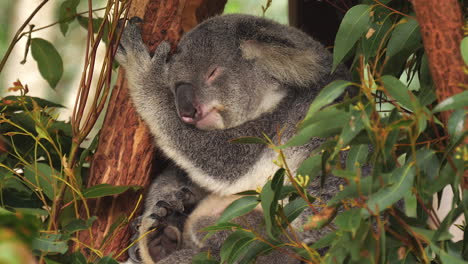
(289, 65)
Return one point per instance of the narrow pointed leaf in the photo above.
(354, 24)
(457, 101)
(238, 208)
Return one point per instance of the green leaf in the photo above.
(236, 238)
(380, 36)
(49, 244)
(327, 95)
(464, 49)
(399, 91)
(67, 12)
(349, 220)
(445, 257)
(457, 101)
(357, 156)
(269, 201)
(294, 208)
(256, 249)
(79, 224)
(354, 24)
(326, 113)
(353, 190)
(402, 181)
(427, 93)
(203, 258)
(456, 125)
(221, 226)
(405, 38)
(325, 241)
(83, 21)
(427, 161)
(107, 260)
(43, 177)
(101, 190)
(249, 140)
(322, 129)
(238, 208)
(350, 130)
(48, 60)
(310, 167)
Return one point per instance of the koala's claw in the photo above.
(135, 224)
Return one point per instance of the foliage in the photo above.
(391, 127)
(43, 164)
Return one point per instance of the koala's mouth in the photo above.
(206, 117)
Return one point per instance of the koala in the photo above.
(231, 76)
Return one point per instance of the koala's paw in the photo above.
(165, 223)
(131, 50)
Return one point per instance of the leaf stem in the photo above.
(18, 34)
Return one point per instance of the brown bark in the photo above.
(125, 153)
(441, 25)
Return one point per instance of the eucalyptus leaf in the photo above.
(456, 125)
(464, 49)
(405, 37)
(326, 96)
(67, 13)
(402, 181)
(238, 208)
(48, 60)
(233, 240)
(454, 102)
(102, 190)
(354, 24)
(357, 156)
(43, 178)
(49, 244)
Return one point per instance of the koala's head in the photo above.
(232, 69)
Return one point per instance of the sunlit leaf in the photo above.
(238, 208)
(456, 124)
(457, 101)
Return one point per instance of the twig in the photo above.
(17, 37)
(393, 10)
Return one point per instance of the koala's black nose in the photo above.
(185, 98)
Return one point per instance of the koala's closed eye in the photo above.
(213, 74)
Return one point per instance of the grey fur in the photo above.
(265, 77)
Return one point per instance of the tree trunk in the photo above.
(441, 25)
(125, 153)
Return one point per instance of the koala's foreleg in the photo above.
(170, 199)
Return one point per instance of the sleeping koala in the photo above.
(231, 76)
